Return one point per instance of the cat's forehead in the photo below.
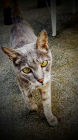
(26, 48)
(35, 55)
(31, 54)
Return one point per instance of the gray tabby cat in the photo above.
(32, 62)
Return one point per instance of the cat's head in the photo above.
(32, 61)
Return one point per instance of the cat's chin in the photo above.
(41, 86)
(36, 87)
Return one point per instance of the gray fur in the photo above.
(21, 34)
(30, 51)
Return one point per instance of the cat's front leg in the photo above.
(27, 94)
(28, 98)
(46, 101)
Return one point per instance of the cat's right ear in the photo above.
(12, 54)
(42, 41)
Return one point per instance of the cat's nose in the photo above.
(41, 80)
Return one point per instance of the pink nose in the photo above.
(41, 80)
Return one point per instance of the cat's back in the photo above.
(21, 34)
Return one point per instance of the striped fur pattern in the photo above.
(29, 51)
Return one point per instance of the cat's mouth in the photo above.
(42, 86)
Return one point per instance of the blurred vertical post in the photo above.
(53, 16)
(73, 6)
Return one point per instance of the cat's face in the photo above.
(33, 61)
(33, 65)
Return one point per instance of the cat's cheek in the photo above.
(46, 78)
(48, 68)
(25, 76)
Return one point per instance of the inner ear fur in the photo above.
(42, 41)
(12, 54)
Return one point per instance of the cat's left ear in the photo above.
(42, 41)
(12, 54)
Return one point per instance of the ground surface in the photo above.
(15, 120)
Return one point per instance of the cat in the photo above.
(32, 60)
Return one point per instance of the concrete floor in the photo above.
(16, 122)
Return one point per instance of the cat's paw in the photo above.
(34, 107)
(53, 122)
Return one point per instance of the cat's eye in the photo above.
(27, 70)
(44, 63)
